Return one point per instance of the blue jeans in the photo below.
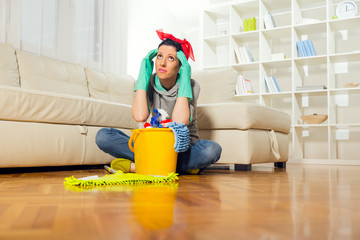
(199, 156)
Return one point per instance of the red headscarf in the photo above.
(185, 45)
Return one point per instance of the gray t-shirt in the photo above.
(165, 100)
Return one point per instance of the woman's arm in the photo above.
(140, 109)
(181, 112)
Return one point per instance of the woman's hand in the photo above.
(139, 109)
(185, 89)
(146, 70)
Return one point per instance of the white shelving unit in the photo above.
(336, 64)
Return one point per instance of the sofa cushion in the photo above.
(51, 75)
(17, 104)
(9, 74)
(243, 116)
(110, 87)
(216, 85)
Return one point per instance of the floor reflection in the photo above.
(322, 201)
(153, 205)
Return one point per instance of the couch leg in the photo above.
(242, 167)
(280, 164)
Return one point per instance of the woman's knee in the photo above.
(212, 151)
(102, 137)
(216, 151)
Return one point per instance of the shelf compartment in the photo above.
(344, 107)
(310, 72)
(344, 69)
(216, 22)
(309, 11)
(308, 103)
(344, 36)
(311, 142)
(316, 33)
(274, 41)
(280, 101)
(248, 39)
(251, 73)
(333, 5)
(280, 11)
(241, 11)
(281, 70)
(343, 141)
(216, 52)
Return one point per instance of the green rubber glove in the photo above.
(146, 70)
(185, 89)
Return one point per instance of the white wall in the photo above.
(8, 19)
(180, 18)
(115, 36)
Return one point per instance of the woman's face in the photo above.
(167, 64)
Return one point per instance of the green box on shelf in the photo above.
(249, 24)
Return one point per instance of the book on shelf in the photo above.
(305, 48)
(309, 88)
(272, 85)
(249, 54)
(237, 55)
(300, 48)
(243, 55)
(276, 84)
(269, 21)
(311, 46)
(243, 85)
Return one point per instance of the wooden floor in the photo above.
(301, 202)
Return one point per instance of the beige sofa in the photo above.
(50, 112)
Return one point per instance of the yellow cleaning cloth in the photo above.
(119, 178)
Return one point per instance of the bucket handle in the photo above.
(133, 138)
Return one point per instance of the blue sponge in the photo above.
(182, 136)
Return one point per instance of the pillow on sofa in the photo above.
(110, 87)
(216, 85)
(51, 75)
(9, 74)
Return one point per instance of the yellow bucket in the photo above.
(154, 151)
